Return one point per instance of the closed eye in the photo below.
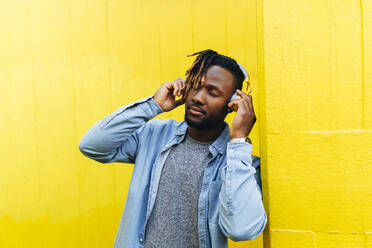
(213, 90)
(212, 93)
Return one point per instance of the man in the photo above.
(195, 183)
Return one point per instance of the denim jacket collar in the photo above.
(219, 144)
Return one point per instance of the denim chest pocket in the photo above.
(213, 193)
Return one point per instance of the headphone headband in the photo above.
(246, 76)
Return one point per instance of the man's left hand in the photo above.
(245, 117)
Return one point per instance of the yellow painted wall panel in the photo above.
(337, 240)
(336, 181)
(315, 57)
(289, 238)
(316, 91)
(368, 239)
(66, 64)
(366, 6)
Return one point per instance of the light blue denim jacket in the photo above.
(230, 203)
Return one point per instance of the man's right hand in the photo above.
(165, 96)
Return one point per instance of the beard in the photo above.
(206, 123)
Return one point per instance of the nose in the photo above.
(198, 95)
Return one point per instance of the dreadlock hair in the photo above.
(195, 75)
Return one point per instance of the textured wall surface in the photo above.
(66, 64)
(316, 135)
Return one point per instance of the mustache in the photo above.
(198, 107)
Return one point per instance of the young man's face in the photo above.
(205, 107)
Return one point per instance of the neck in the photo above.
(205, 134)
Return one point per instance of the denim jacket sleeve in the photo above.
(115, 138)
(241, 212)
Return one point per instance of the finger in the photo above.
(182, 80)
(250, 103)
(249, 92)
(241, 104)
(248, 99)
(175, 83)
(177, 88)
(246, 106)
(169, 86)
(248, 110)
(234, 102)
(183, 90)
(240, 93)
(184, 84)
(181, 83)
(242, 107)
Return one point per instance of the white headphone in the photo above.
(246, 76)
(235, 95)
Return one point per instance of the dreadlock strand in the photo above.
(199, 74)
(207, 64)
(196, 73)
(203, 67)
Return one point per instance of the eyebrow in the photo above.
(212, 87)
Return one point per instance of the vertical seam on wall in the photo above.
(226, 27)
(79, 190)
(34, 109)
(142, 13)
(109, 58)
(192, 25)
(108, 55)
(160, 53)
(363, 61)
(262, 127)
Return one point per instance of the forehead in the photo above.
(220, 78)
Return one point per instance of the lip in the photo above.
(196, 111)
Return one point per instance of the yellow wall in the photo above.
(316, 132)
(66, 64)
